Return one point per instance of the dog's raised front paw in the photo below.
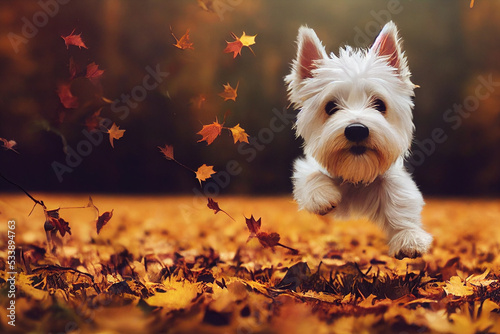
(411, 243)
(318, 194)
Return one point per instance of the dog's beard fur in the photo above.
(355, 168)
(359, 162)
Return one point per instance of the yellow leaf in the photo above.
(457, 288)
(247, 40)
(178, 295)
(115, 133)
(204, 172)
(480, 280)
(239, 134)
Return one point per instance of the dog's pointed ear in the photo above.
(309, 51)
(388, 45)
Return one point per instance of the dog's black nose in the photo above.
(356, 132)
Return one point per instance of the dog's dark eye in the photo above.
(379, 105)
(331, 107)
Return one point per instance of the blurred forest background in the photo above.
(453, 52)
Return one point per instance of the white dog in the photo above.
(356, 121)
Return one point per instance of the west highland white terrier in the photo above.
(356, 121)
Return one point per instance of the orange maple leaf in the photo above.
(115, 133)
(168, 152)
(210, 132)
(239, 134)
(204, 172)
(75, 40)
(239, 43)
(229, 92)
(67, 99)
(184, 42)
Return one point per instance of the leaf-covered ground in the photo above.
(169, 265)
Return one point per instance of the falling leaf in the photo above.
(92, 122)
(73, 68)
(204, 172)
(115, 133)
(93, 73)
(75, 40)
(229, 92)
(268, 239)
(456, 287)
(471, 3)
(239, 43)
(103, 220)
(198, 101)
(234, 47)
(9, 144)
(253, 226)
(168, 152)
(210, 132)
(239, 134)
(247, 40)
(67, 99)
(55, 223)
(184, 42)
(215, 206)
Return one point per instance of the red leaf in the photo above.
(103, 220)
(93, 122)
(253, 225)
(268, 239)
(234, 47)
(54, 223)
(75, 40)
(168, 152)
(73, 68)
(9, 144)
(213, 205)
(93, 73)
(67, 99)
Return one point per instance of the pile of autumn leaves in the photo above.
(211, 131)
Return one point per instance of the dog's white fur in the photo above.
(330, 178)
